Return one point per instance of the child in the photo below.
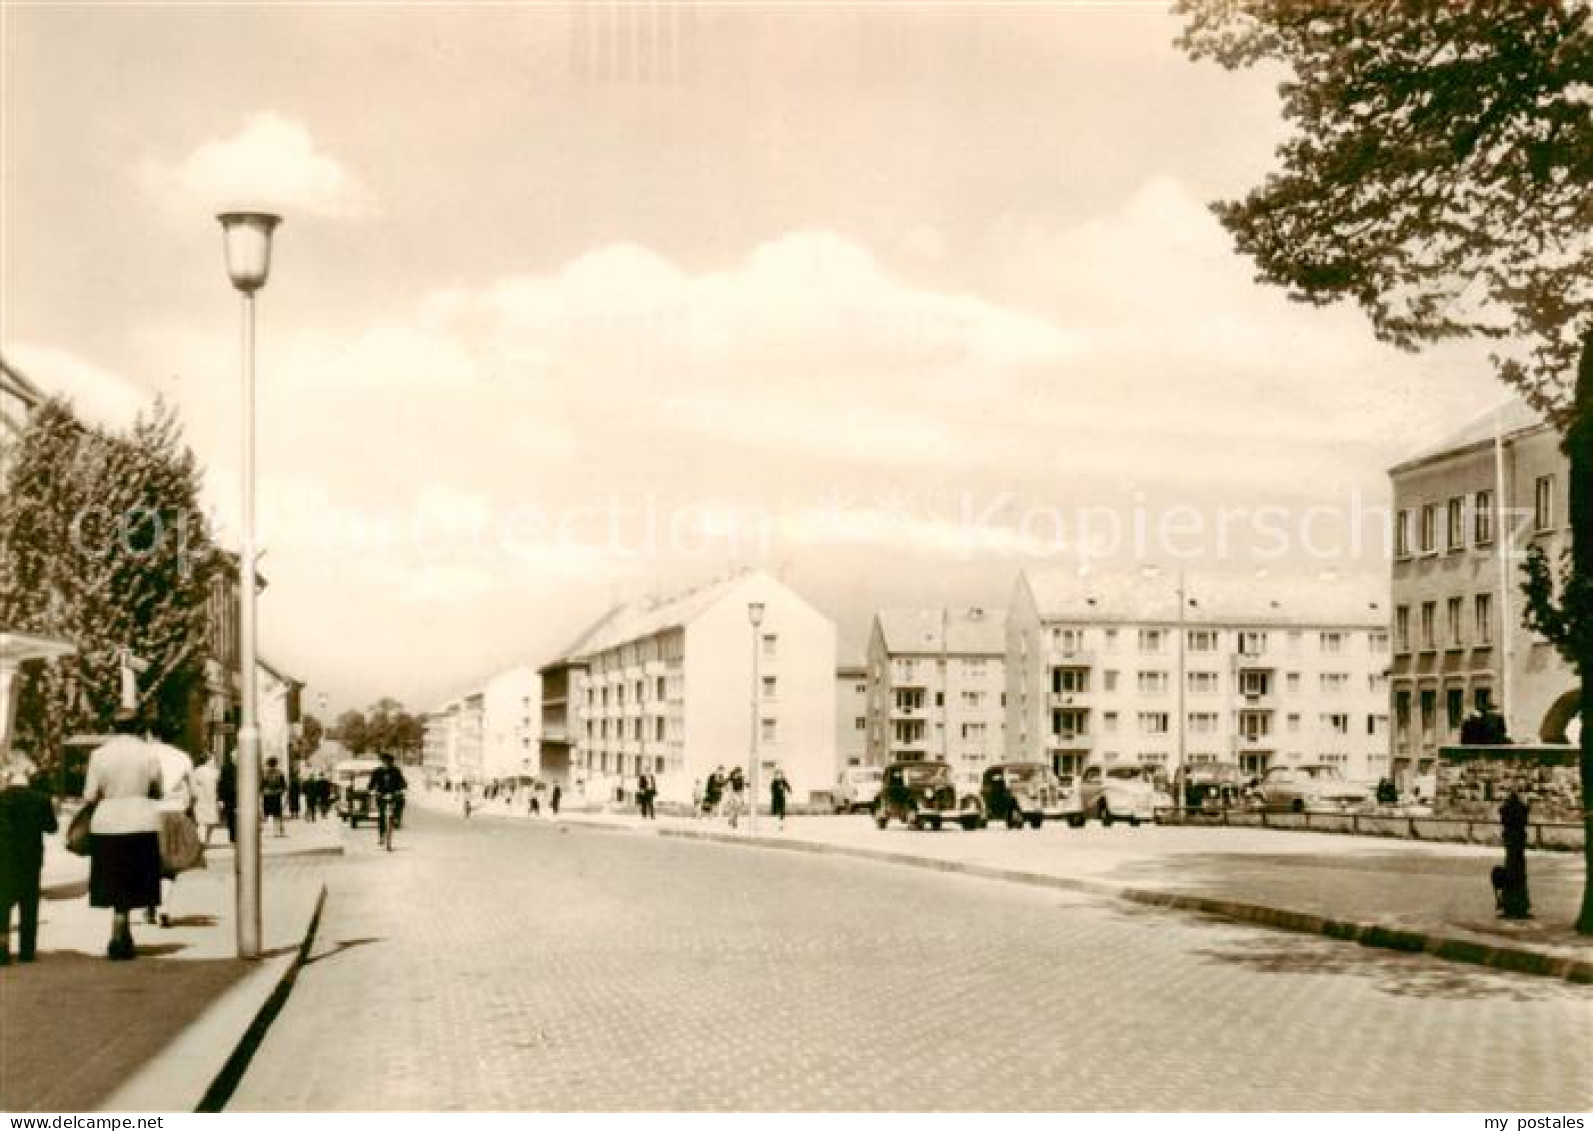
(25, 816)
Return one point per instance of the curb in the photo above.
(214, 1038)
(1520, 960)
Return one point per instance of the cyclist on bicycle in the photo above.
(387, 786)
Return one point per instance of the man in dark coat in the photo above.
(25, 817)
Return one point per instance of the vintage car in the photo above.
(1019, 793)
(1117, 793)
(1298, 788)
(857, 787)
(1214, 785)
(918, 794)
(352, 778)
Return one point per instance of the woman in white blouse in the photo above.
(124, 780)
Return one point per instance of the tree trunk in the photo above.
(1579, 451)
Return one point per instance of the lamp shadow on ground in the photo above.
(339, 947)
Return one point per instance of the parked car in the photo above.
(1298, 788)
(1019, 793)
(1214, 786)
(1118, 793)
(918, 794)
(857, 787)
(353, 779)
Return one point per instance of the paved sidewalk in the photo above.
(82, 1033)
(1408, 895)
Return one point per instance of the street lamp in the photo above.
(755, 617)
(247, 242)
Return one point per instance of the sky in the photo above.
(574, 304)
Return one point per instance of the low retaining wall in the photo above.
(1456, 830)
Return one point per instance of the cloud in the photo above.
(97, 395)
(272, 163)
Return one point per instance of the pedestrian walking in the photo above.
(778, 789)
(646, 790)
(295, 792)
(227, 791)
(554, 798)
(180, 848)
(273, 786)
(26, 815)
(207, 799)
(123, 785)
(464, 794)
(713, 791)
(735, 795)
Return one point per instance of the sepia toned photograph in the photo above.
(678, 556)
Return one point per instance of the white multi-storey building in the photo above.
(937, 686)
(670, 687)
(851, 715)
(511, 723)
(1110, 670)
(440, 754)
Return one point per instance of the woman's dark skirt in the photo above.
(124, 871)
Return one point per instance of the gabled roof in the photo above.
(13, 381)
(638, 619)
(1133, 598)
(1508, 417)
(969, 631)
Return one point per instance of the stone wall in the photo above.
(1474, 780)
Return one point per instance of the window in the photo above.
(1376, 725)
(1455, 707)
(1402, 628)
(1255, 724)
(974, 669)
(1069, 681)
(1067, 639)
(1109, 679)
(1109, 722)
(862, 723)
(1336, 723)
(1202, 722)
(662, 695)
(1203, 640)
(1203, 683)
(1543, 504)
(1402, 534)
(1376, 682)
(1455, 521)
(769, 686)
(1429, 706)
(771, 730)
(1402, 712)
(771, 644)
(973, 699)
(1252, 643)
(1291, 682)
(1331, 642)
(1429, 531)
(1334, 682)
(1111, 639)
(1456, 617)
(1153, 722)
(1377, 642)
(1254, 683)
(1429, 615)
(1292, 723)
(1151, 639)
(973, 732)
(1069, 724)
(658, 729)
(1482, 518)
(1482, 606)
(1152, 682)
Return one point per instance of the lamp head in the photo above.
(246, 238)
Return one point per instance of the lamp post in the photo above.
(755, 617)
(247, 242)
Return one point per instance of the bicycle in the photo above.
(389, 807)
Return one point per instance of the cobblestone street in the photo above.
(496, 966)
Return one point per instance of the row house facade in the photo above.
(1123, 670)
(937, 686)
(680, 686)
(1465, 513)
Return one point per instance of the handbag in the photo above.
(79, 838)
(181, 850)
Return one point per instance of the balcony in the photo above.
(1069, 699)
(1081, 743)
(1071, 657)
(899, 711)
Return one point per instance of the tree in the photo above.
(100, 545)
(353, 732)
(1438, 176)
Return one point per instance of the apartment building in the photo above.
(851, 715)
(511, 724)
(937, 686)
(439, 753)
(1465, 513)
(1119, 670)
(681, 685)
